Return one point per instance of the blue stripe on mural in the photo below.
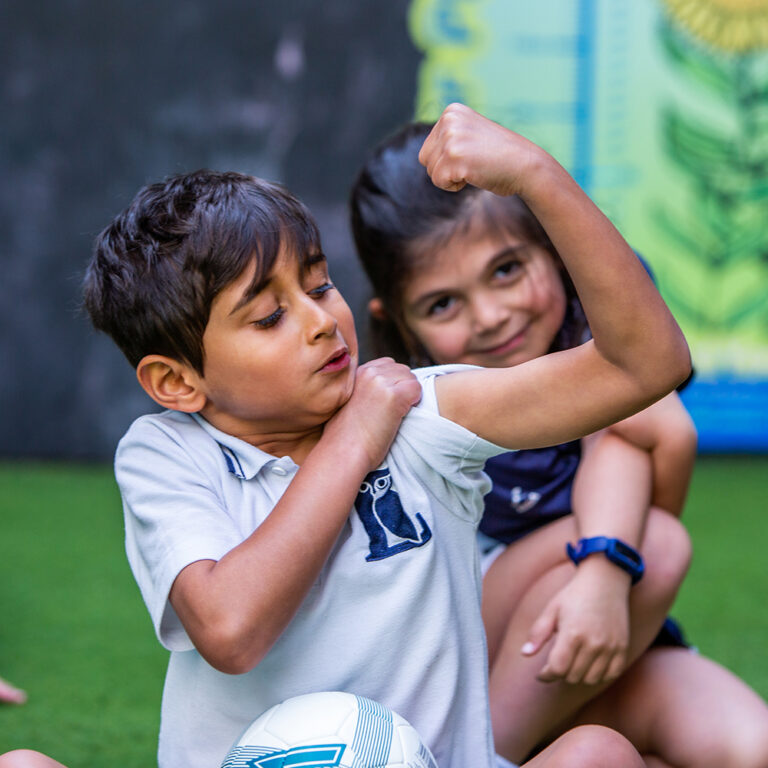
(583, 133)
(731, 415)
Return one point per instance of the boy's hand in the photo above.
(589, 619)
(384, 393)
(466, 148)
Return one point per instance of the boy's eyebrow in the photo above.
(314, 258)
(250, 293)
(254, 290)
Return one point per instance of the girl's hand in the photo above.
(589, 619)
(466, 148)
(384, 393)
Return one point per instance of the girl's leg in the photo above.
(525, 711)
(686, 711)
(588, 746)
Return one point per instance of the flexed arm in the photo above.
(638, 352)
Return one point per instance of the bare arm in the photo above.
(234, 609)
(645, 460)
(638, 353)
(667, 432)
(611, 497)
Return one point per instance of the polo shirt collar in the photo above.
(243, 459)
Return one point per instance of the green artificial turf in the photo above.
(73, 630)
(75, 634)
(722, 603)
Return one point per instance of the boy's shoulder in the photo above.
(427, 377)
(432, 435)
(173, 439)
(161, 427)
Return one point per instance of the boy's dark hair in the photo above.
(158, 266)
(398, 216)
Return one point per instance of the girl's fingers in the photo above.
(578, 669)
(617, 666)
(596, 672)
(541, 631)
(560, 660)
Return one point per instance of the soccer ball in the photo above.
(326, 730)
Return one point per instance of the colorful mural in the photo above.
(659, 109)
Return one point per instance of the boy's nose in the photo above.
(318, 321)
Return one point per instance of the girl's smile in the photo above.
(516, 341)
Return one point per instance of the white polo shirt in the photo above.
(394, 615)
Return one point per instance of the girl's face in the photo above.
(491, 300)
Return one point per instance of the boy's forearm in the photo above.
(235, 609)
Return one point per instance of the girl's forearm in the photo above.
(630, 323)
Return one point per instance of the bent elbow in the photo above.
(675, 368)
(680, 365)
(232, 650)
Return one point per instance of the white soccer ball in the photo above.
(326, 730)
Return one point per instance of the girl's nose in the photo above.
(488, 313)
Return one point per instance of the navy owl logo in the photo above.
(389, 527)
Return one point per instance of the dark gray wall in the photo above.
(99, 98)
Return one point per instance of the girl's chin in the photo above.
(508, 360)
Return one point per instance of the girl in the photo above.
(471, 277)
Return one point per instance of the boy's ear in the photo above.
(376, 308)
(170, 383)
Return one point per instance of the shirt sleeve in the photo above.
(451, 452)
(174, 515)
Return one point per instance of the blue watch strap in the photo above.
(618, 552)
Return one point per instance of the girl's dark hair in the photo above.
(398, 214)
(157, 267)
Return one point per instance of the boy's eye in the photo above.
(441, 305)
(321, 289)
(270, 320)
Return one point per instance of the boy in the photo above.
(237, 497)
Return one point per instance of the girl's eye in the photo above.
(270, 320)
(507, 268)
(321, 290)
(441, 305)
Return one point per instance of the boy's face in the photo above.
(282, 362)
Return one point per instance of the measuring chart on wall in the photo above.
(659, 109)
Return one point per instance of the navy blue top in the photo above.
(530, 488)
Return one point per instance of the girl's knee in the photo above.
(667, 551)
(595, 746)
(746, 748)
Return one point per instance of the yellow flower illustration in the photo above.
(738, 26)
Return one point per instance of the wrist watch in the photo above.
(618, 552)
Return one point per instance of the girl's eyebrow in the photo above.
(509, 250)
(503, 253)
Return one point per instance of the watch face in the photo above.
(624, 551)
